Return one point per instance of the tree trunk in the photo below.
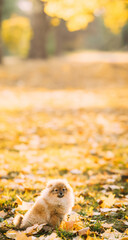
(125, 36)
(1, 2)
(65, 40)
(39, 26)
(59, 36)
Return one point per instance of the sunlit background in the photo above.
(37, 29)
(64, 113)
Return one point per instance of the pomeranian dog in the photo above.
(55, 202)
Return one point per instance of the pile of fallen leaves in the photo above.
(79, 135)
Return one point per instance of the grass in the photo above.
(86, 145)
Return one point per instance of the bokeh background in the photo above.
(89, 37)
(64, 112)
(28, 32)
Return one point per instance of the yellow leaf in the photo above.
(89, 211)
(22, 205)
(80, 199)
(89, 238)
(55, 22)
(93, 238)
(22, 236)
(19, 200)
(11, 234)
(79, 13)
(108, 201)
(72, 224)
(126, 231)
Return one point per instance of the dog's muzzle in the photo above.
(60, 195)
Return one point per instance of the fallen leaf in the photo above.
(96, 213)
(108, 201)
(111, 235)
(19, 200)
(11, 234)
(107, 225)
(23, 236)
(92, 238)
(22, 205)
(53, 236)
(122, 201)
(72, 225)
(109, 209)
(80, 200)
(32, 230)
(3, 214)
(84, 231)
(67, 225)
(76, 208)
(9, 220)
(37, 228)
(76, 171)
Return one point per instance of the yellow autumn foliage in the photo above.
(16, 34)
(116, 15)
(79, 13)
(55, 22)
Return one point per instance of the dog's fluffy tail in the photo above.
(18, 220)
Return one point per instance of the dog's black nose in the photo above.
(60, 195)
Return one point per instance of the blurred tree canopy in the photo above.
(1, 4)
(16, 34)
(79, 13)
(40, 31)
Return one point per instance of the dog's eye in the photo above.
(64, 189)
(55, 190)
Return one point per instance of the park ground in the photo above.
(66, 118)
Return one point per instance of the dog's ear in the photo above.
(49, 184)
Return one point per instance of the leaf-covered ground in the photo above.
(80, 135)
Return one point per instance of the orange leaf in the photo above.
(69, 225)
(77, 207)
(18, 200)
(22, 236)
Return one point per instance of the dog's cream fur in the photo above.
(49, 208)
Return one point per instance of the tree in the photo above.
(16, 35)
(79, 13)
(1, 4)
(17, 32)
(39, 23)
(125, 36)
